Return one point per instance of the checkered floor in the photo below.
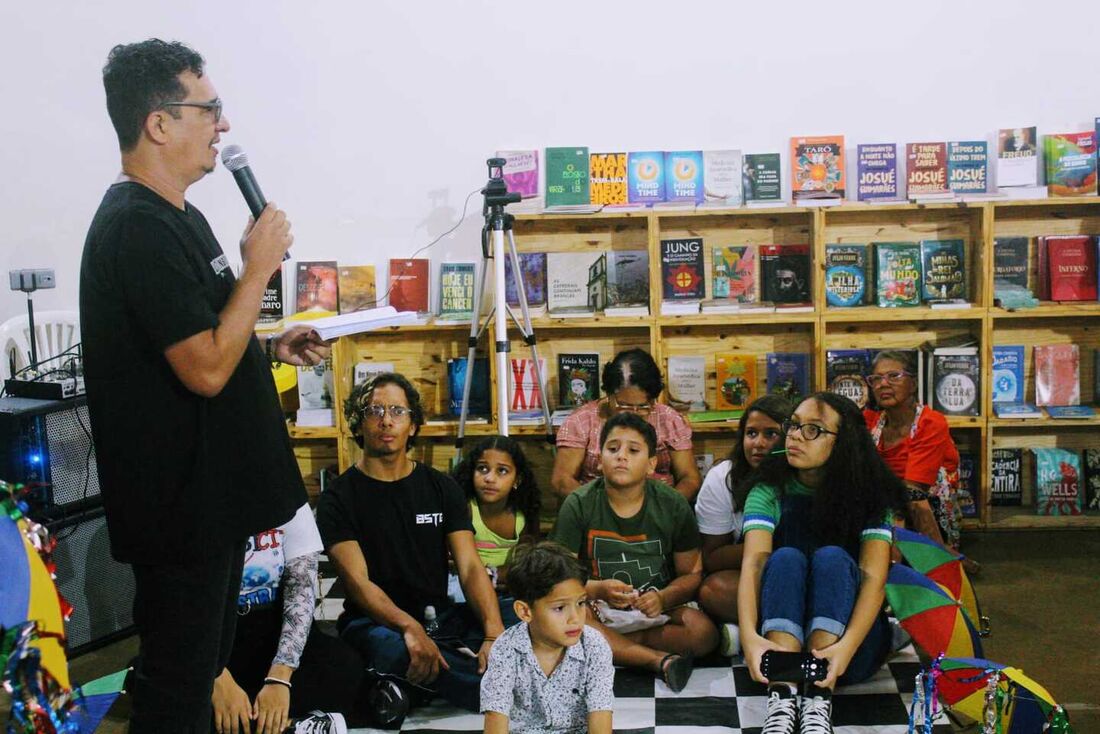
(717, 700)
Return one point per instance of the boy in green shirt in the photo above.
(642, 545)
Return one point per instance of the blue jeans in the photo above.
(384, 651)
(800, 595)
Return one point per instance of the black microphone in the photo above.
(236, 162)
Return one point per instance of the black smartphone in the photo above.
(793, 667)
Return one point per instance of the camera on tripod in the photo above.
(496, 198)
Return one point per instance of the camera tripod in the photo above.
(497, 223)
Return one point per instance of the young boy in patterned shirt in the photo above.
(551, 672)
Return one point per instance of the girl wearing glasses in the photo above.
(719, 511)
(915, 443)
(631, 383)
(817, 532)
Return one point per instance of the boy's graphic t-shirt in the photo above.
(636, 550)
(267, 554)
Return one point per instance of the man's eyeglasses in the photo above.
(893, 378)
(397, 412)
(809, 431)
(215, 107)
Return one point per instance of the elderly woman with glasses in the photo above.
(631, 382)
(915, 443)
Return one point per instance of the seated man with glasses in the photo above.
(388, 523)
(914, 441)
(632, 383)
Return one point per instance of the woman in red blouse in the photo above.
(915, 443)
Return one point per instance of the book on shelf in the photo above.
(578, 379)
(845, 275)
(926, 170)
(1058, 486)
(1015, 411)
(968, 167)
(646, 177)
(679, 308)
(1071, 163)
(1096, 376)
(524, 391)
(949, 304)
(845, 374)
(877, 172)
(968, 485)
(761, 179)
(1008, 373)
(715, 416)
(271, 304)
(720, 306)
(456, 292)
(897, 274)
(722, 178)
(532, 267)
(409, 284)
(1017, 157)
(788, 374)
(682, 269)
(955, 381)
(684, 177)
(521, 171)
(479, 386)
(315, 395)
(357, 288)
(607, 179)
(566, 178)
(570, 279)
(316, 286)
(735, 375)
(365, 369)
(733, 273)
(1011, 263)
(1023, 193)
(626, 311)
(627, 282)
(1071, 412)
(572, 209)
(817, 168)
(785, 273)
(559, 416)
(1091, 459)
(1006, 487)
(1072, 268)
(357, 322)
(572, 312)
(943, 270)
(1042, 275)
(794, 308)
(1057, 374)
(687, 382)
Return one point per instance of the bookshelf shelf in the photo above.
(422, 351)
(311, 432)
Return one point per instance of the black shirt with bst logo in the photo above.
(402, 528)
(181, 475)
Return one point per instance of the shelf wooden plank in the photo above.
(319, 432)
(1049, 310)
(965, 421)
(602, 214)
(736, 319)
(1042, 423)
(915, 313)
(450, 428)
(1024, 518)
(1048, 203)
(591, 322)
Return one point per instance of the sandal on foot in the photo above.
(676, 671)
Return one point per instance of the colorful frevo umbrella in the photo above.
(97, 698)
(945, 567)
(936, 622)
(34, 668)
(1003, 699)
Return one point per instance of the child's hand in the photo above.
(650, 603)
(617, 593)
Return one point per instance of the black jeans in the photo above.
(185, 615)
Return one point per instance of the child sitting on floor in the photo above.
(551, 672)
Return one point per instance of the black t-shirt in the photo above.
(181, 475)
(402, 529)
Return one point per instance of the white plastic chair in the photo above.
(55, 331)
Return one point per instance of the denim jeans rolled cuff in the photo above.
(825, 624)
(783, 625)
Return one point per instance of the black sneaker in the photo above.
(387, 702)
(782, 715)
(817, 712)
(319, 722)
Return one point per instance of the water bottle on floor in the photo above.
(431, 622)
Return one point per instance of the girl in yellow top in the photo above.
(504, 500)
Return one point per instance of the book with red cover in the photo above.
(1057, 374)
(1072, 265)
(926, 169)
(317, 287)
(1042, 279)
(409, 284)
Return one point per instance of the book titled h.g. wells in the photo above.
(897, 274)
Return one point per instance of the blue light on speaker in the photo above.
(36, 458)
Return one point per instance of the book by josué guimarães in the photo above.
(877, 172)
(926, 169)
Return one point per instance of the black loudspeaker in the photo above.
(100, 588)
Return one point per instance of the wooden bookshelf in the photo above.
(421, 352)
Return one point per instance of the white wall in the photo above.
(369, 122)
